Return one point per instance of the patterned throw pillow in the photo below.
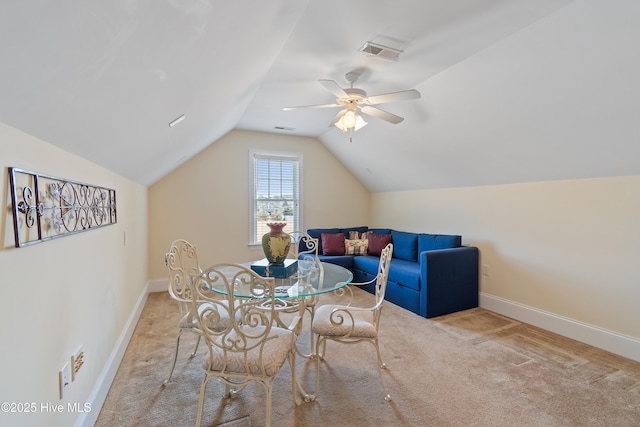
(356, 246)
(354, 235)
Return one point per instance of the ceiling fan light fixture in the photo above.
(341, 125)
(350, 120)
(360, 123)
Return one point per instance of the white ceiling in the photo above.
(512, 90)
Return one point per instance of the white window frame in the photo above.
(254, 240)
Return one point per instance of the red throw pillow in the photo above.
(377, 242)
(332, 244)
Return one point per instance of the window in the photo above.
(275, 193)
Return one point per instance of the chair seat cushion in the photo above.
(276, 349)
(189, 321)
(360, 327)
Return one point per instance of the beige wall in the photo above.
(71, 291)
(206, 200)
(570, 248)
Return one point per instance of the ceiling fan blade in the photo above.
(381, 114)
(334, 88)
(402, 95)
(312, 106)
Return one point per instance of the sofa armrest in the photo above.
(448, 280)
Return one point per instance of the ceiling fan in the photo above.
(354, 100)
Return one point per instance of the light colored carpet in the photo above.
(472, 368)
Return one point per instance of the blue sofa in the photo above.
(430, 274)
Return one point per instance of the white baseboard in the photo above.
(614, 342)
(106, 377)
(157, 285)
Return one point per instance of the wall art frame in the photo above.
(46, 207)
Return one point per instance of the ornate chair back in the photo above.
(381, 280)
(304, 248)
(302, 244)
(244, 342)
(182, 263)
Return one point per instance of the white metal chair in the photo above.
(304, 248)
(182, 262)
(253, 350)
(350, 325)
(302, 244)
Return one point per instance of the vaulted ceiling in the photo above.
(512, 90)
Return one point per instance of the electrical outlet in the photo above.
(77, 360)
(64, 378)
(485, 270)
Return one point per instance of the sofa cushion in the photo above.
(345, 261)
(332, 244)
(404, 273)
(429, 242)
(405, 245)
(317, 232)
(356, 246)
(377, 243)
(367, 263)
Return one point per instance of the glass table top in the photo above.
(312, 278)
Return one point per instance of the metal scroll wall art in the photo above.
(46, 207)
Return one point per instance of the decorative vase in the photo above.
(276, 243)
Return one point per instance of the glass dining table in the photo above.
(299, 293)
(301, 290)
(312, 278)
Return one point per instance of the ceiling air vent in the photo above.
(380, 51)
